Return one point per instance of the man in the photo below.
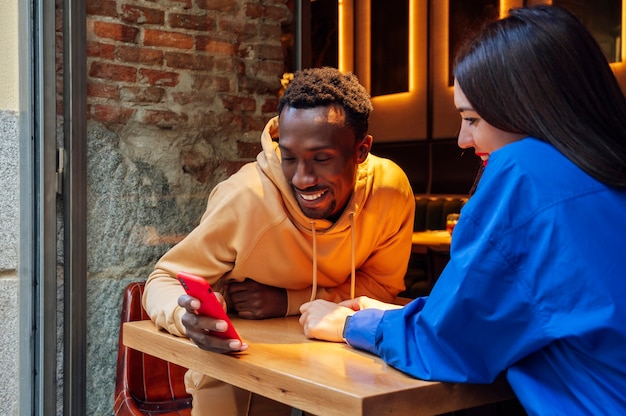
(315, 217)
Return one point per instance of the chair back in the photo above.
(146, 385)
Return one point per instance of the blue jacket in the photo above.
(536, 287)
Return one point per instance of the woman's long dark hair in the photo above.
(540, 72)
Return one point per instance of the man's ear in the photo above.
(363, 148)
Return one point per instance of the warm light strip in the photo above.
(623, 57)
(620, 65)
(506, 5)
(412, 48)
(345, 17)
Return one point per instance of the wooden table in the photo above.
(423, 239)
(322, 378)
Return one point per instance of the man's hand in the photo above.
(253, 300)
(198, 327)
(323, 320)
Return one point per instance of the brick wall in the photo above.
(182, 64)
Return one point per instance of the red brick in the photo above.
(242, 30)
(228, 65)
(214, 46)
(110, 114)
(58, 21)
(115, 31)
(98, 89)
(197, 165)
(268, 70)
(218, 5)
(232, 166)
(163, 118)
(271, 32)
(262, 52)
(142, 94)
(167, 39)
(192, 22)
(113, 72)
(231, 102)
(253, 123)
(100, 50)
(101, 8)
(140, 55)
(229, 120)
(59, 83)
(273, 69)
(189, 61)
(270, 105)
(255, 85)
(201, 82)
(155, 77)
(136, 14)
(247, 150)
(183, 4)
(184, 98)
(206, 117)
(259, 11)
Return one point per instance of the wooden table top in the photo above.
(322, 378)
(422, 239)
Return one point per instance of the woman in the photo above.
(536, 283)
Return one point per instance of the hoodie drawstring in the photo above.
(314, 285)
(352, 260)
(352, 267)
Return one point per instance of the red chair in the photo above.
(146, 385)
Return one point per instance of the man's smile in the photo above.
(311, 197)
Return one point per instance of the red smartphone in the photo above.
(199, 288)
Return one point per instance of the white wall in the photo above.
(8, 55)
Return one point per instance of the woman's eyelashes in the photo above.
(470, 120)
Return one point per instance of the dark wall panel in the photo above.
(452, 172)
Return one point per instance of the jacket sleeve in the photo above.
(478, 320)
(197, 253)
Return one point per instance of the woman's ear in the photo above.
(363, 148)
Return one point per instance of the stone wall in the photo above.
(178, 93)
(9, 287)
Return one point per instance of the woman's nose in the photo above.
(464, 140)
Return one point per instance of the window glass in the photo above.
(390, 47)
(466, 17)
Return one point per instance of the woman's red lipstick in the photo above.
(484, 157)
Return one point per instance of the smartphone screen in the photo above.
(199, 288)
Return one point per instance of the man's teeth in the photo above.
(311, 197)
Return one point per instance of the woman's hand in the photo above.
(363, 302)
(324, 320)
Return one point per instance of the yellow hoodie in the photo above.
(254, 228)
